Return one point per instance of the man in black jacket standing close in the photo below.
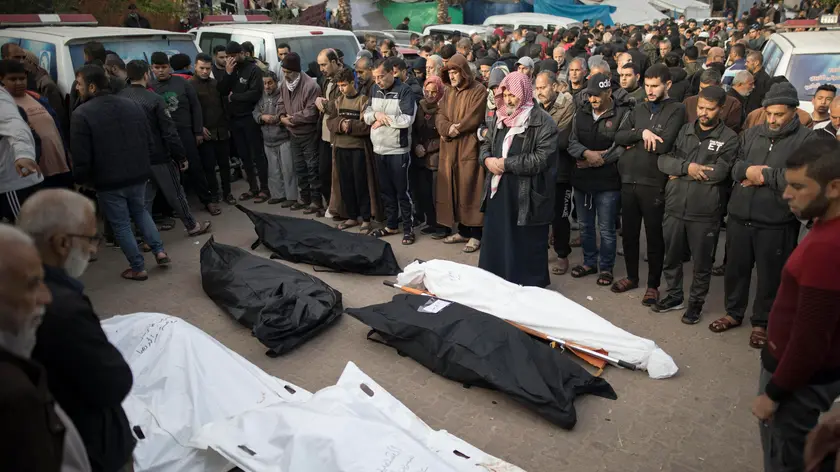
(761, 231)
(85, 372)
(649, 131)
(110, 139)
(242, 88)
(698, 170)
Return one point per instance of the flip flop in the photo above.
(130, 274)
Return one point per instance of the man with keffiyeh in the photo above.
(520, 155)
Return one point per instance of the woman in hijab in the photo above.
(427, 151)
(520, 154)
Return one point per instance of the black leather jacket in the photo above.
(534, 168)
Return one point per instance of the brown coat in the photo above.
(361, 129)
(758, 117)
(460, 175)
(32, 434)
(426, 134)
(731, 111)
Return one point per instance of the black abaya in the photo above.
(518, 254)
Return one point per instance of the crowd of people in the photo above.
(499, 144)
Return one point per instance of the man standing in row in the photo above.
(460, 174)
(330, 66)
(649, 131)
(299, 115)
(242, 87)
(699, 168)
(762, 230)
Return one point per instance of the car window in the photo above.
(259, 44)
(808, 71)
(772, 54)
(309, 47)
(129, 48)
(45, 52)
(209, 41)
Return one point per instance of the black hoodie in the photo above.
(597, 135)
(679, 84)
(637, 165)
(242, 89)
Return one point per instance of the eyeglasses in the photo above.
(96, 239)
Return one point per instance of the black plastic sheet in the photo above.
(312, 242)
(477, 349)
(284, 307)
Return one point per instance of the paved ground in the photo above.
(698, 420)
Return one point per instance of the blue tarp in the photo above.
(576, 12)
(476, 11)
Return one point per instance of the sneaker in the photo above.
(299, 206)
(288, 203)
(668, 303)
(692, 314)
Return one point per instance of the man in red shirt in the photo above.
(800, 365)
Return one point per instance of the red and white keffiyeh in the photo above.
(519, 85)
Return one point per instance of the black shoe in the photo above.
(668, 303)
(298, 206)
(719, 271)
(431, 229)
(692, 314)
(230, 200)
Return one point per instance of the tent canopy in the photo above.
(686, 7)
(576, 12)
(630, 12)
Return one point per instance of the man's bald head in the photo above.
(834, 112)
(716, 54)
(23, 295)
(328, 62)
(63, 225)
(12, 51)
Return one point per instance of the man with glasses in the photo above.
(87, 375)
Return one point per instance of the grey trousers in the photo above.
(783, 437)
(167, 179)
(282, 181)
(307, 163)
(700, 239)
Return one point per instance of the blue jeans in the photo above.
(604, 205)
(120, 207)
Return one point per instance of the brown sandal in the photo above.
(623, 285)
(575, 242)
(758, 338)
(130, 274)
(723, 324)
(560, 267)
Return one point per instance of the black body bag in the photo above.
(477, 349)
(312, 242)
(284, 307)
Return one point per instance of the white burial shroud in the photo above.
(203, 408)
(540, 309)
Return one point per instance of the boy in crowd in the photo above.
(282, 183)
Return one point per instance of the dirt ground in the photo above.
(699, 420)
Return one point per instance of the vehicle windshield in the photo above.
(129, 48)
(308, 48)
(808, 71)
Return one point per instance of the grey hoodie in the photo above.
(274, 134)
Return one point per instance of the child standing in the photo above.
(350, 133)
(282, 182)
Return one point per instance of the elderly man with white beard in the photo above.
(87, 374)
(35, 434)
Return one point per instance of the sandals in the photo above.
(162, 259)
(651, 297)
(723, 324)
(408, 239)
(313, 210)
(250, 194)
(275, 201)
(366, 228)
(262, 197)
(130, 274)
(201, 228)
(560, 267)
(574, 242)
(347, 224)
(758, 338)
(213, 209)
(624, 285)
(582, 271)
(287, 203)
(605, 278)
(166, 225)
(382, 232)
(471, 246)
(455, 239)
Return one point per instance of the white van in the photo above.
(465, 30)
(518, 21)
(60, 48)
(307, 41)
(808, 59)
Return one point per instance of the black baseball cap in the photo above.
(598, 84)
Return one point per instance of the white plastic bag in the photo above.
(537, 308)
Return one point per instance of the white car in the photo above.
(808, 59)
(518, 21)
(306, 41)
(60, 49)
(465, 30)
